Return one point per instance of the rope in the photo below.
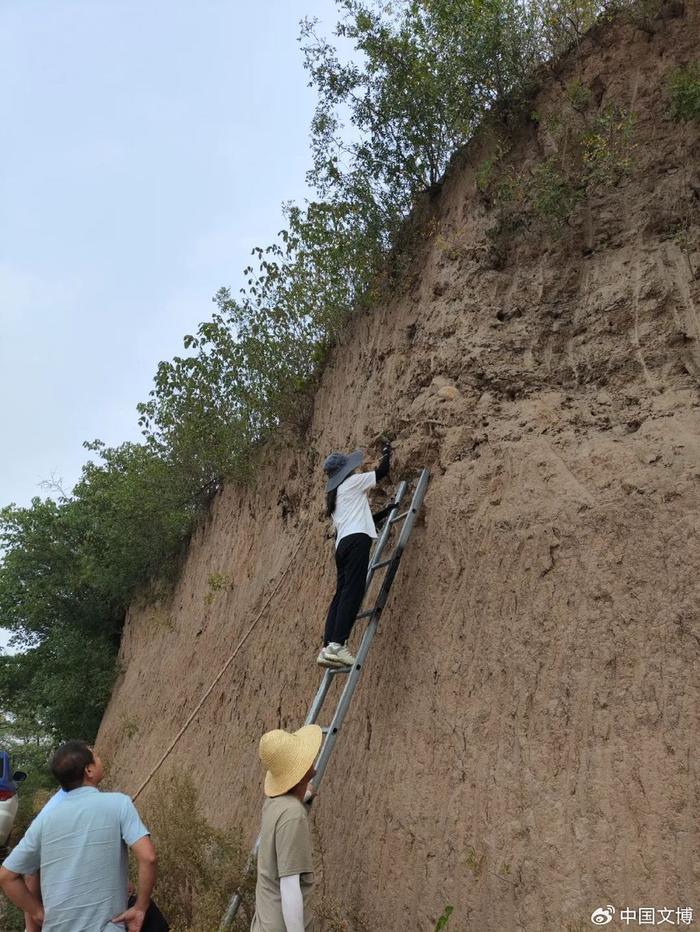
(223, 670)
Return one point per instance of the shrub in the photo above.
(199, 867)
(591, 152)
(608, 147)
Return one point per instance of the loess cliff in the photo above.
(523, 741)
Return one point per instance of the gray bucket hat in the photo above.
(339, 466)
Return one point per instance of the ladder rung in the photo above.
(378, 566)
(368, 612)
(400, 517)
(334, 671)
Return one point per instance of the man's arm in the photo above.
(292, 903)
(145, 855)
(15, 889)
(33, 882)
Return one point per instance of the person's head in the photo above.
(338, 466)
(74, 764)
(299, 789)
(289, 759)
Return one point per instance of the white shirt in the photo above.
(352, 513)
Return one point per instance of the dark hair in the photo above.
(69, 761)
(330, 502)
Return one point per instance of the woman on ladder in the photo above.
(348, 505)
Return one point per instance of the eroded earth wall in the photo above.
(523, 744)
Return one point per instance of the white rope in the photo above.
(223, 670)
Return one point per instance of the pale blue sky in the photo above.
(146, 147)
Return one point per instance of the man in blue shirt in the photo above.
(80, 847)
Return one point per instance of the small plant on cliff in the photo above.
(608, 147)
(444, 920)
(475, 863)
(129, 727)
(217, 582)
(578, 95)
(684, 86)
(592, 152)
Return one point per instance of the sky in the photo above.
(146, 148)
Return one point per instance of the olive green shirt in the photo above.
(285, 849)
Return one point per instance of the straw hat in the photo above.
(287, 756)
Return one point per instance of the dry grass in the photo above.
(332, 917)
(199, 867)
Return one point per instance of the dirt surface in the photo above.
(523, 743)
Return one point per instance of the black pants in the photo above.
(154, 921)
(351, 560)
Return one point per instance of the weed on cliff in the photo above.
(199, 867)
(684, 86)
(217, 582)
(592, 151)
(444, 920)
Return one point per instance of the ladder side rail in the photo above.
(354, 676)
(236, 900)
(416, 504)
(232, 910)
(383, 536)
(348, 690)
(319, 698)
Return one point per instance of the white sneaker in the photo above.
(340, 654)
(327, 659)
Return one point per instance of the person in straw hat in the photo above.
(285, 863)
(347, 504)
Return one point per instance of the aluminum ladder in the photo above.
(405, 520)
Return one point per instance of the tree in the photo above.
(69, 570)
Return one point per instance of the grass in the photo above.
(11, 919)
(199, 867)
(332, 917)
